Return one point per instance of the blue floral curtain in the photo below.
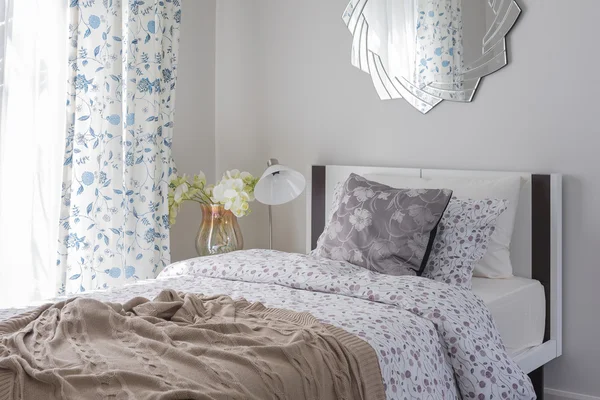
(439, 43)
(114, 224)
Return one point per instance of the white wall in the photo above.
(240, 103)
(285, 88)
(194, 134)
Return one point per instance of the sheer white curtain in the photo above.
(32, 131)
(392, 35)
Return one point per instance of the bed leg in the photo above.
(537, 378)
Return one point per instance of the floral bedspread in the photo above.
(434, 341)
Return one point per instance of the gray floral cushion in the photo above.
(384, 229)
(462, 238)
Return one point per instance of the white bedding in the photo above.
(518, 306)
(433, 340)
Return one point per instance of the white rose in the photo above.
(209, 190)
(180, 191)
(218, 194)
(230, 194)
(237, 184)
(200, 179)
(233, 174)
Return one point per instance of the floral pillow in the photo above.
(462, 238)
(383, 229)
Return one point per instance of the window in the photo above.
(32, 131)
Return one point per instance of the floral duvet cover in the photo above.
(434, 341)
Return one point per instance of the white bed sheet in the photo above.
(518, 306)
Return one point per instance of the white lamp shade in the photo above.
(279, 185)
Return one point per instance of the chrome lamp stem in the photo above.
(270, 229)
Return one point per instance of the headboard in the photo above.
(536, 247)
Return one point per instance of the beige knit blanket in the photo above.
(181, 346)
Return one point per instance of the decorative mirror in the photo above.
(427, 51)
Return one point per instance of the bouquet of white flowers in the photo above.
(233, 192)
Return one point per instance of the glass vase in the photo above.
(219, 232)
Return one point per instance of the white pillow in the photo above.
(496, 262)
(335, 205)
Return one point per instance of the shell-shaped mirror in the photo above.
(427, 51)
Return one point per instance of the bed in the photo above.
(413, 333)
(536, 248)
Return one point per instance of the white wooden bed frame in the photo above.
(536, 248)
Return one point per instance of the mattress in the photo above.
(518, 306)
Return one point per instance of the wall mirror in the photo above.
(427, 51)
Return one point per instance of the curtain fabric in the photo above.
(439, 43)
(114, 224)
(419, 40)
(393, 26)
(33, 64)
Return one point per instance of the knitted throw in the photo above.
(181, 346)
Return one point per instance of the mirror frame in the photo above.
(494, 57)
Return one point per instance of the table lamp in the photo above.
(278, 185)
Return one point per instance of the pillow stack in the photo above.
(447, 229)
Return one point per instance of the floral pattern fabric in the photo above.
(384, 229)
(433, 340)
(439, 45)
(462, 238)
(114, 225)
